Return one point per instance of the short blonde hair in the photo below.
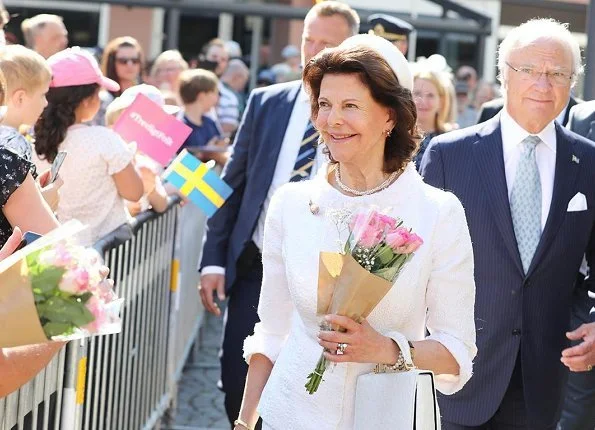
(23, 69)
(31, 26)
(165, 56)
(113, 113)
(196, 81)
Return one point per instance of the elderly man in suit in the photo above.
(274, 145)
(579, 404)
(528, 188)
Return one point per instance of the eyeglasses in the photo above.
(124, 60)
(559, 79)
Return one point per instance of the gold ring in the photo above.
(589, 368)
(341, 347)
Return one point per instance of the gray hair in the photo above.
(236, 67)
(31, 26)
(331, 7)
(535, 29)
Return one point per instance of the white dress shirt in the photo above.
(545, 153)
(290, 147)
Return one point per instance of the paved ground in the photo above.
(200, 403)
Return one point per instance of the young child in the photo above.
(27, 78)
(199, 93)
(155, 194)
(98, 172)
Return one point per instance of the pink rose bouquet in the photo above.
(55, 291)
(353, 283)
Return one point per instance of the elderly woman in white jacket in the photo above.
(362, 106)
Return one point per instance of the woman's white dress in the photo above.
(435, 290)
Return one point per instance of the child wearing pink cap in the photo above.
(98, 172)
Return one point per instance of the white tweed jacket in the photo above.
(436, 291)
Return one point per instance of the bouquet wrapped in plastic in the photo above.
(55, 289)
(352, 283)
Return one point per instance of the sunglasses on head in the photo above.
(124, 60)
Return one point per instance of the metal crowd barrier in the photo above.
(128, 380)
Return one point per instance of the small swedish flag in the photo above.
(197, 182)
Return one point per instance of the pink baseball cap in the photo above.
(73, 66)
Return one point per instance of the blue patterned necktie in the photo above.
(525, 202)
(307, 153)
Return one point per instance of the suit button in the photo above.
(527, 283)
(516, 332)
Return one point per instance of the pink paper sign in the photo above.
(156, 133)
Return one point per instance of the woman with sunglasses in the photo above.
(122, 61)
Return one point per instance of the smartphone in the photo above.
(28, 237)
(56, 165)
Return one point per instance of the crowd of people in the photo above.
(498, 290)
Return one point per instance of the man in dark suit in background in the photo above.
(528, 188)
(490, 109)
(579, 404)
(274, 145)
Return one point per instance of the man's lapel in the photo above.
(567, 167)
(275, 126)
(272, 128)
(489, 157)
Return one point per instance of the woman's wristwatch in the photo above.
(239, 422)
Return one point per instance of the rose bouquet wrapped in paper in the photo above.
(352, 283)
(54, 289)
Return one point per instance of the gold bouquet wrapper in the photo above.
(346, 288)
(20, 324)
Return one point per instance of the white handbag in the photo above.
(396, 401)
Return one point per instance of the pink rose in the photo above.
(74, 281)
(411, 245)
(397, 238)
(96, 307)
(370, 237)
(386, 221)
(68, 284)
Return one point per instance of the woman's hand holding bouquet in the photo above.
(351, 284)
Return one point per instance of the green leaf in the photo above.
(384, 256)
(388, 273)
(57, 329)
(46, 281)
(65, 310)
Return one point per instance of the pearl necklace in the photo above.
(358, 193)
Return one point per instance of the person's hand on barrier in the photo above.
(209, 285)
(50, 192)
(581, 358)
(12, 243)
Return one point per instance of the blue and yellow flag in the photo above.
(197, 182)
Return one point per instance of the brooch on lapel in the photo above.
(314, 208)
(575, 159)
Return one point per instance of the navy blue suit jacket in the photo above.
(516, 314)
(249, 172)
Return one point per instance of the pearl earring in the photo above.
(388, 133)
